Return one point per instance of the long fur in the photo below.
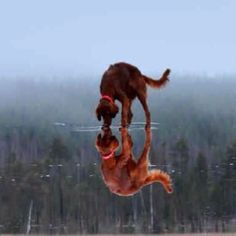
(157, 83)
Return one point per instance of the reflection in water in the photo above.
(122, 173)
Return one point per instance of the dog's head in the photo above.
(106, 110)
(106, 143)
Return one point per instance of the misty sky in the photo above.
(52, 37)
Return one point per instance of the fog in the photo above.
(73, 100)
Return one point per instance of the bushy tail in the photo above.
(161, 177)
(158, 83)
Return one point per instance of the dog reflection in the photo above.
(122, 174)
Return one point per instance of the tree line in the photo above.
(50, 180)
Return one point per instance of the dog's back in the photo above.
(122, 78)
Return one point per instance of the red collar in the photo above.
(108, 98)
(107, 156)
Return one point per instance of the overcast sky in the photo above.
(53, 37)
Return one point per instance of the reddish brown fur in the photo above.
(122, 173)
(124, 82)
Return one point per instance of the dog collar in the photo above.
(108, 98)
(107, 156)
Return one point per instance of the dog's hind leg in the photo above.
(142, 99)
(143, 159)
(141, 170)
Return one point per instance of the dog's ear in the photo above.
(99, 136)
(98, 113)
(115, 110)
(115, 143)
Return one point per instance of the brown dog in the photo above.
(125, 82)
(121, 173)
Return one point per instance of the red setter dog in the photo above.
(122, 174)
(124, 82)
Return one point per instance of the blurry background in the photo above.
(52, 56)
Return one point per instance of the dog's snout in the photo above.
(105, 128)
(107, 121)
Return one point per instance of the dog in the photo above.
(122, 174)
(124, 82)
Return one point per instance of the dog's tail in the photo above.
(158, 83)
(161, 177)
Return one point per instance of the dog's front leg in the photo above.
(142, 99)
(126, 147)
